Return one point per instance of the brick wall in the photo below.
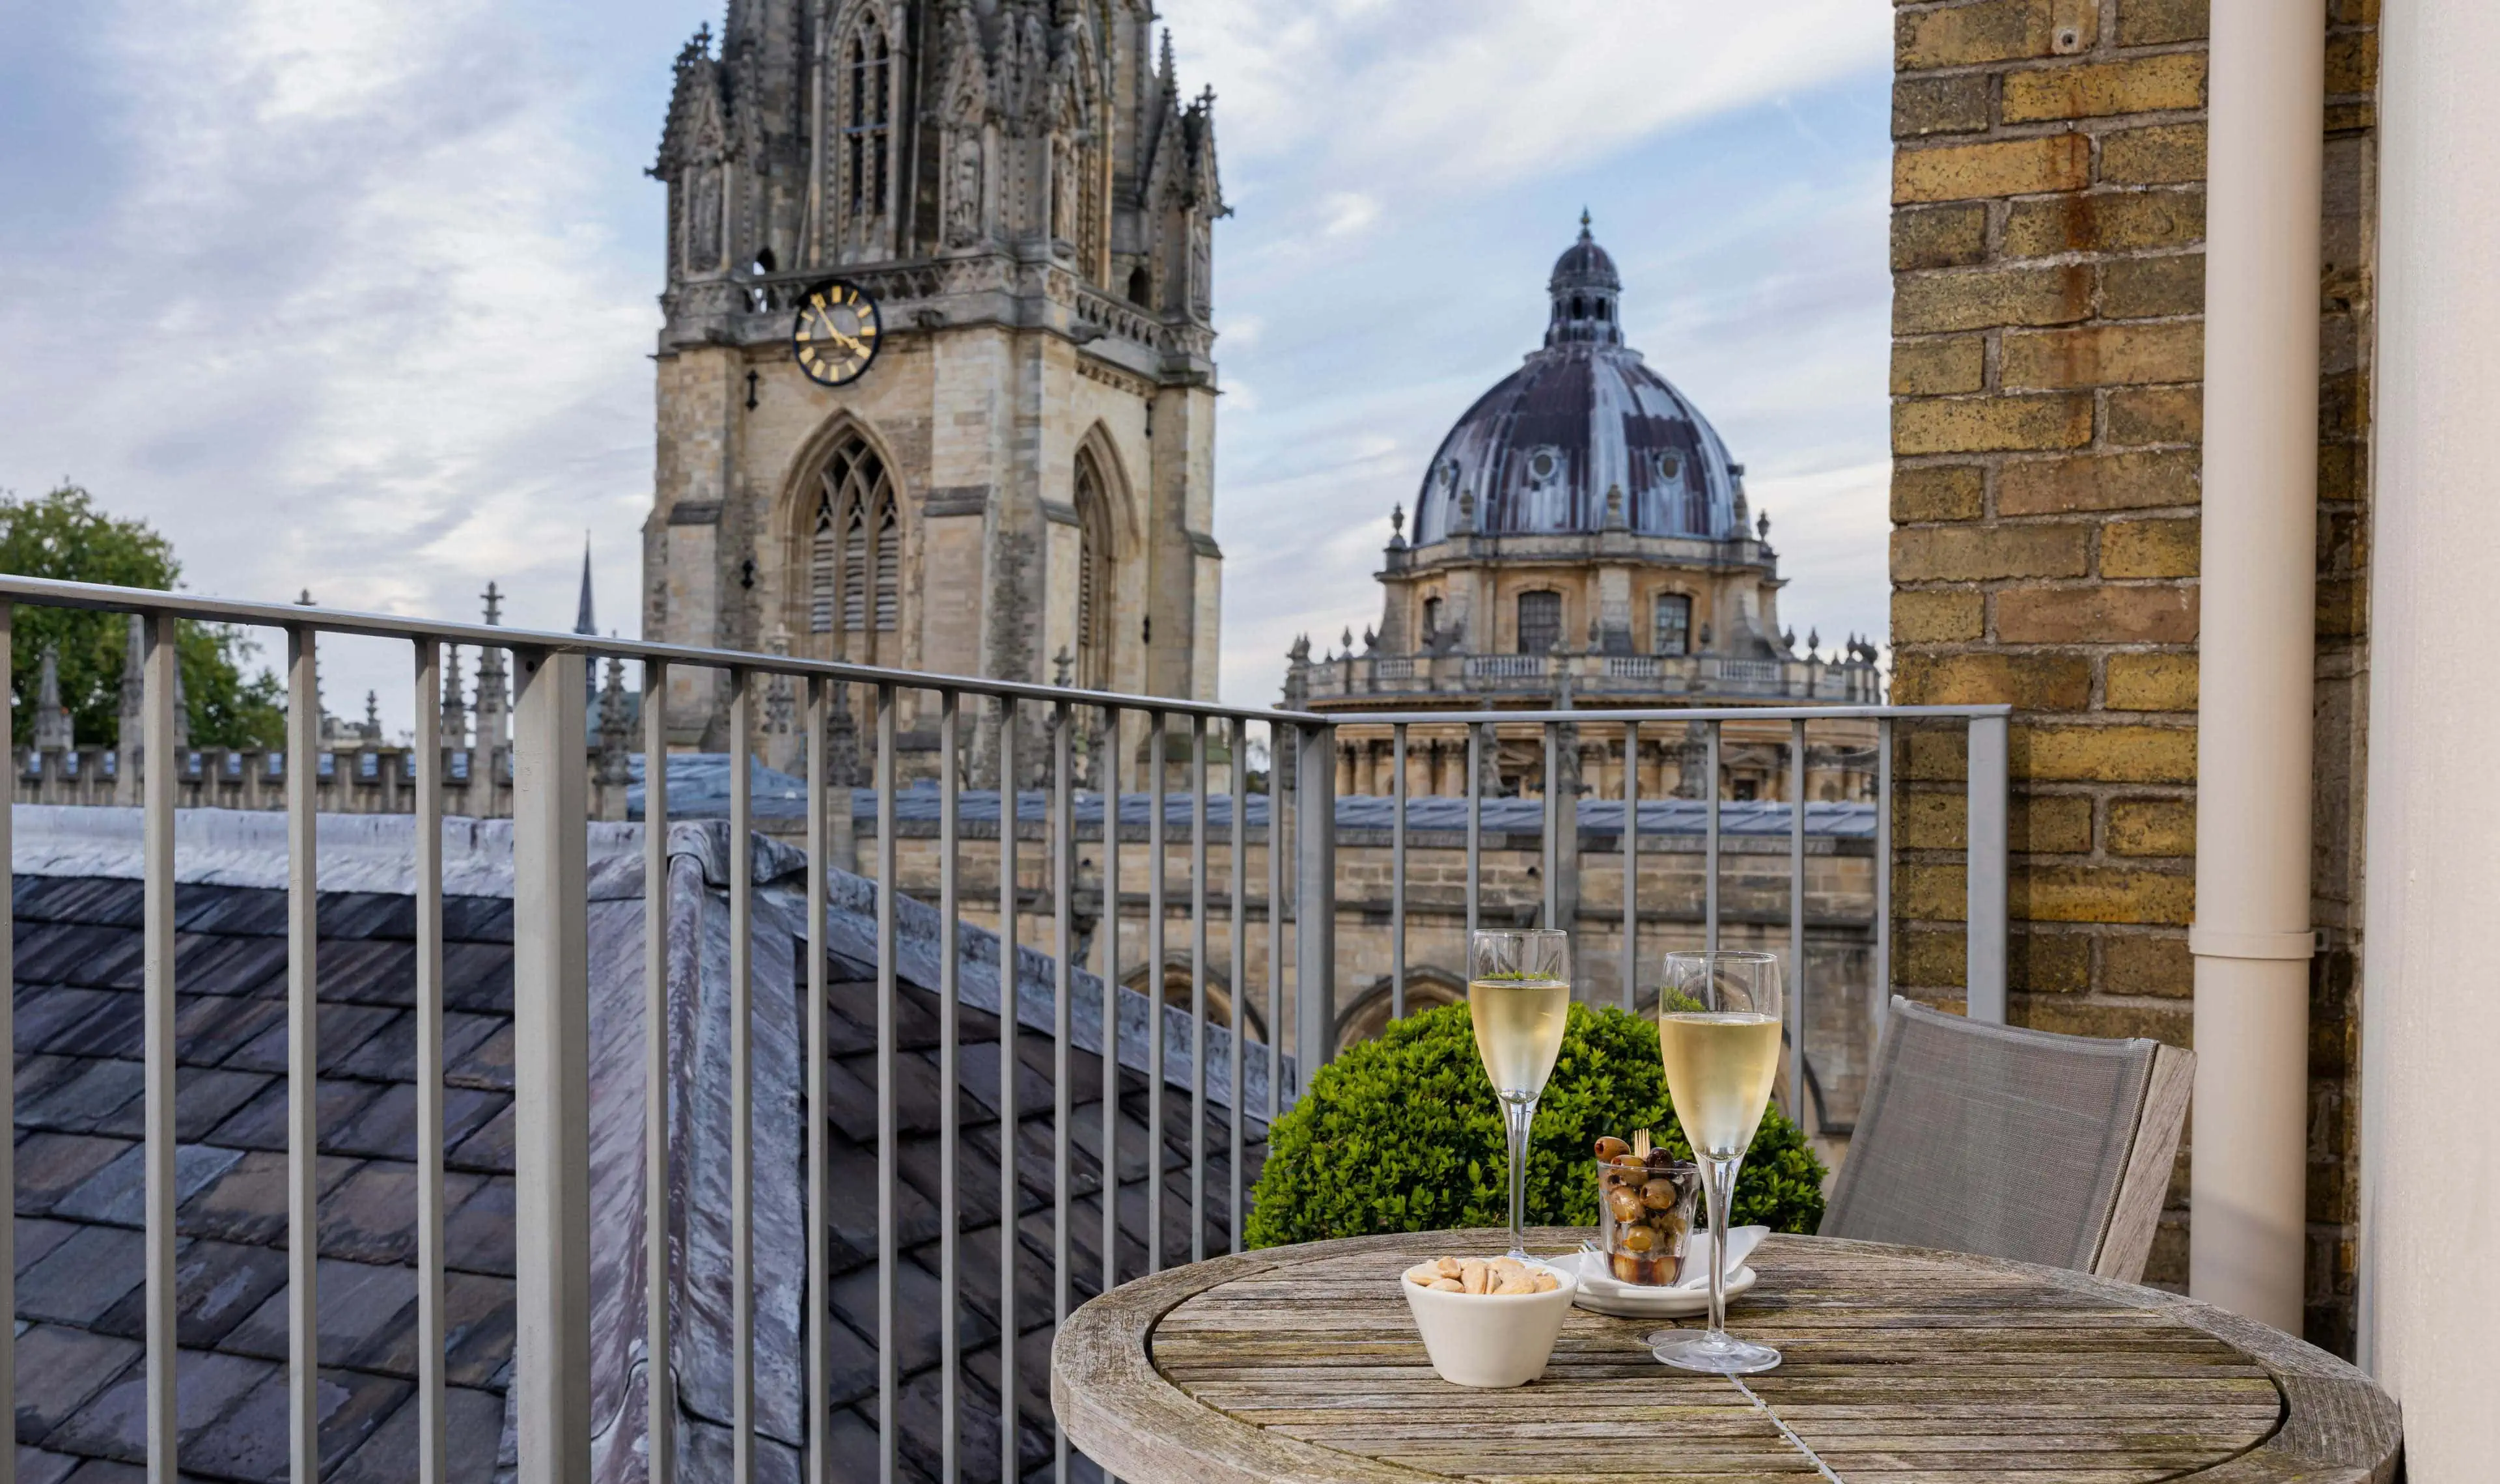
(2047, 223)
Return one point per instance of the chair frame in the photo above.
(2133, 1218)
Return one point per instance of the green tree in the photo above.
(66, 535)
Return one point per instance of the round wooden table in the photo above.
(1902, 1365)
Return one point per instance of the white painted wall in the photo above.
(2430, 1025)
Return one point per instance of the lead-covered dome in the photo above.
(1537, 454)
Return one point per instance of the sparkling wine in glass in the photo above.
(1719, 1034)
(1519, 993)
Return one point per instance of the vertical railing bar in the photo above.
(659, 1380)
(1397, 871)
(1197, 989)
(1063, 1022)
(551, 1071)
(1554, 826)
(1238, 806)
(889, 1153)
(1315, 885)
(950, 1093)
(1882, 1007)
(303, 1045)
(1985, 811)
(7, 1052)
(1155, 740)
(741, 1073)
(1796, 928)
(1475, 821)
(1110, 931)
(157, 1009)
(1710, 843)
(818, 1212)
(1275, 920)
(431, 1425)
(1009, 981)
(1632, 863)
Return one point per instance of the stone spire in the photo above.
(494, 696)
(454, 725)
(54, 732)
(613, 728)
(583, 622)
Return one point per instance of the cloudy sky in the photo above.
(356, 295)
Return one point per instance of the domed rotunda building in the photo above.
(1581, 540)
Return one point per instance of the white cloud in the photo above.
(356, 322)
(1467, 95)
(1349, 211)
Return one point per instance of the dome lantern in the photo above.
(1586, 294)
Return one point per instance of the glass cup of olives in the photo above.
(1644, 1211)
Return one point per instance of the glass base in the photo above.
(1718, 1354)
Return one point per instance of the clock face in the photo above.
(836, 334)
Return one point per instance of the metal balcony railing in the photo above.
(551, 1374)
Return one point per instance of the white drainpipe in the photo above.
(2259, 571)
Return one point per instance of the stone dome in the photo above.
(1537, 454)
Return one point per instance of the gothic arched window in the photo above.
(855, 547)
(1541, 621)
(1094, 599)
(867, 122)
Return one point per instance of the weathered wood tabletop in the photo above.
(1301, 1364)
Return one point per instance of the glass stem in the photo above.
(1718, 1178)
(1521, 1113)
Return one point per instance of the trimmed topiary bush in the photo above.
(1402, 1134)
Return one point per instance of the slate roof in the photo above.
(81, 1290)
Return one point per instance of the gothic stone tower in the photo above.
(1026, 470)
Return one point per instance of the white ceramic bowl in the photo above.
(1492, 1339)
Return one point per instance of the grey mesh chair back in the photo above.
(2013, 1143)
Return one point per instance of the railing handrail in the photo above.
(1649, 713)
(104, 597)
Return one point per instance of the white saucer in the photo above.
(1603, 1295)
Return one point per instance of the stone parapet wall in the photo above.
(1753, 896)
(2047, 245)
(361, 781)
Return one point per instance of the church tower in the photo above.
(1025, 468)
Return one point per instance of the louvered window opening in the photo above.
(855, 515)
(1540, 622)
(868, 121)
(889, 566)
(1093, 580)
(820, 568)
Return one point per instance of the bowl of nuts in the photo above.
(1489, 1321)
(1644, 1209)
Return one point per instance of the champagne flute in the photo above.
(1519, 992)
(1719, 1034)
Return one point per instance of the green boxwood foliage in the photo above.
(1402, 1134)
